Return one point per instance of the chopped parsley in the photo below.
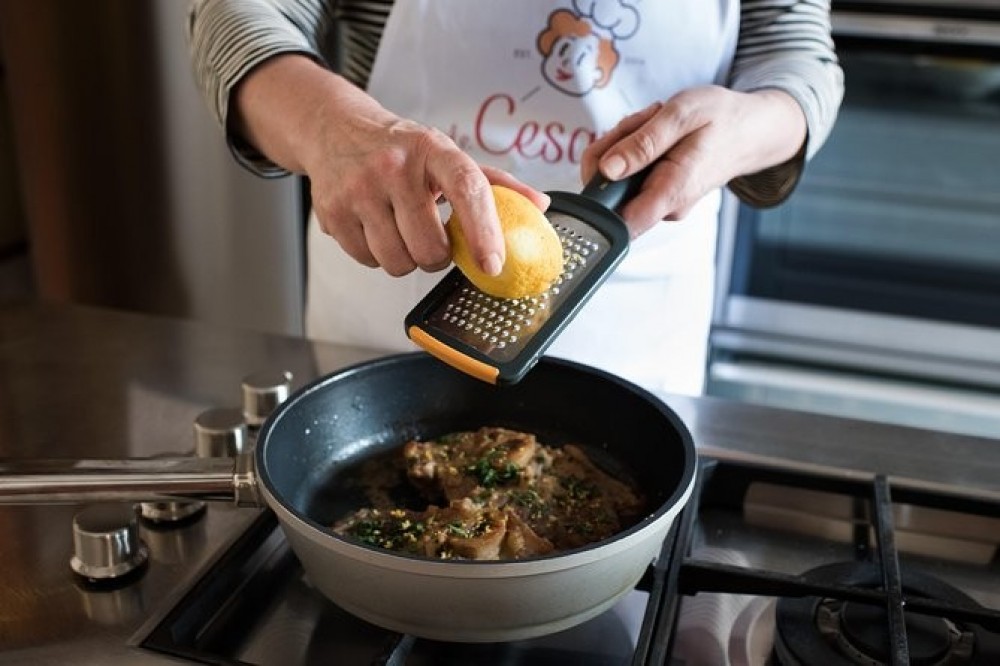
(494, 469)
(392, 531)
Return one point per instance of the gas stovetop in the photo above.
(765, 566)
(807, 538)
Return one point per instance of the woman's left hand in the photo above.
(700, 139)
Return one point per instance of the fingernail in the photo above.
(613, 167)
(492, 264)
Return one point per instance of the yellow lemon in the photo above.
(534, 254)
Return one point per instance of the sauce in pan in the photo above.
(488, 494)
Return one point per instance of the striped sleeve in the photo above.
(229, 38)
(361, 25)
(786, 44)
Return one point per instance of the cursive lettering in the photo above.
(529, 138)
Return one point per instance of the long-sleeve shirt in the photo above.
(782, 44)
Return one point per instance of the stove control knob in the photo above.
(106, 542)
(176, 513)
(220, 433)
(262, 393)
(170, 513)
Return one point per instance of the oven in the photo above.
(874, 291)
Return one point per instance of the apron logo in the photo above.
(578, 46)
(579, 55)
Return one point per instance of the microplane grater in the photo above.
(498, 340)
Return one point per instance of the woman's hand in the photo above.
(700, 139)
(376, 178)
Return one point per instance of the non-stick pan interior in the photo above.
(312, 445)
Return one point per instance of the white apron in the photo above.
(525, 85)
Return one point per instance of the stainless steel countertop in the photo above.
(82, 382)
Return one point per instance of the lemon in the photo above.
(534, 254)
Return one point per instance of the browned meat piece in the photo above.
(467, 530)
(462, 530)
(521, 541)
(455, 465)
(619, 496)
(506, 496)
(393, 529)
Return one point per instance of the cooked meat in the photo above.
(456, 465)
(521, 541)
(462, 530)
(498, 494)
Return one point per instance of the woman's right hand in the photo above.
(376, 178)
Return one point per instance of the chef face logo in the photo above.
(578, 45)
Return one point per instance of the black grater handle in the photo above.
(613, 193)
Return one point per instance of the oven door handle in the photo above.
(829, 388)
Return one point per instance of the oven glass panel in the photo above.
(899, 213)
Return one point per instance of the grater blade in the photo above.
(500, 327)
(498, 340)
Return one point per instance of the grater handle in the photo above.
(613, 193)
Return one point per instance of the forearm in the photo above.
(229, 38)
(290, 107)
(780, 128)
(782, 157)
(787, 47)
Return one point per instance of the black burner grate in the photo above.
(886, 586)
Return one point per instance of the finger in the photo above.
(420, 227)
(669, 192)
(356, 247)
(346, 229)
(384, 241)
(629, 124)
(468, 191)
(649, 141)
(501, 177)
(655, 202)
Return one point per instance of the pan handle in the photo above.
(54, 481)
(613, 193)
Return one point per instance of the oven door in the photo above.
(874, 291)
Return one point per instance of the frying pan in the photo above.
(310, 447)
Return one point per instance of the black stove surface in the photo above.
(764, 567)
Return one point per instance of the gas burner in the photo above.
(811, 630)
